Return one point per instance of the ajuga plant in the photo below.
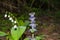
(33, 28)
(18, 28)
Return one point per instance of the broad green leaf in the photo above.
(20, 23)
(39, 37)
(2, 33)
(17, 33)
(22, 30)
(9, 36)
(26, 39)
(26, 23)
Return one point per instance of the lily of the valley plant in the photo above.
(18, 28)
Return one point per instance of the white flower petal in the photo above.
(5, 15)
(8, 15)
(15, 22)
(15, 26)
(10, 18)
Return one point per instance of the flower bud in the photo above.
(10, 18)
(33, 21)
(32, 14)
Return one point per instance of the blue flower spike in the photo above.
(32, 25)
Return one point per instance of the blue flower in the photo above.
(32, 19)
(33, 25)
(32, 14)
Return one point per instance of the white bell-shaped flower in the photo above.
(15, 22)
(5, 15)
(15, 26)
(10, 18)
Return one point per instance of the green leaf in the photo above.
(17, 33)
(26, 39)
(32, 30)
(39, 37)
(2, 33)
(26, 23)
(20, 23)
(9, 36)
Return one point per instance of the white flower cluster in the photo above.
(11, 19)
(32, 19)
